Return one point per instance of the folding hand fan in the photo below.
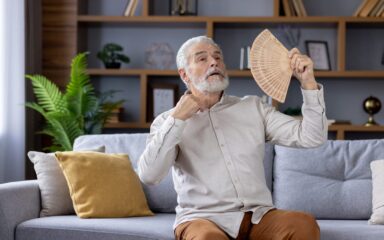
(270, 65)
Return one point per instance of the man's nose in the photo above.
(213, 62)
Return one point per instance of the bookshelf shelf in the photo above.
(123, 125)
(202, 19)
(342, 129)
(231, 73)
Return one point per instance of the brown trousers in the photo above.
(275, 225)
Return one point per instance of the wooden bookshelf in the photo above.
(122, 125)
(210, 24)
(231, 73)
(203, 19)
(342, 129)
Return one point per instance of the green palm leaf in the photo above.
(80, 93)
(65, 129)
(48, 94)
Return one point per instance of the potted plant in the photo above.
(110, 56)
(77, 111)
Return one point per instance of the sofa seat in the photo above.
(157, 227)
(350, 229)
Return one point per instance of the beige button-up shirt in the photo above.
(217, 155)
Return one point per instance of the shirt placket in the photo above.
(233, 173)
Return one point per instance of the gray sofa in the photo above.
(332, 182)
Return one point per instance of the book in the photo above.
(287, 8)
(302, 8)
(341, 122)
(132, 13)
(376, 9)
(368, 8)
(361, 6)
(381, 10)
(292, 8)
(296, 6)
(128, 8)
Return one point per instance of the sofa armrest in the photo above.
(19, 201)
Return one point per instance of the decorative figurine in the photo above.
(371, 105)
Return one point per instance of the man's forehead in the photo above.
(204, 48)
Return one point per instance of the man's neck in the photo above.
(207, 100)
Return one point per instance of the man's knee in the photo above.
(303, 226)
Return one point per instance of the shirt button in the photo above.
(228, 162)
(222, 144)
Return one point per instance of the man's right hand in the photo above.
(186, 107)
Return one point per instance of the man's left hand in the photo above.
(302, 67)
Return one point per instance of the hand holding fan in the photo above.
(270, 65)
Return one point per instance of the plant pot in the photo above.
(114, 65)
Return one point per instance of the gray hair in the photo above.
(183, 54)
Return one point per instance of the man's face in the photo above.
(206, 69)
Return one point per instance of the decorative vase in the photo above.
(114, 65)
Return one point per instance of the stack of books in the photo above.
(370, 8)
(131, 8)
(294, 8)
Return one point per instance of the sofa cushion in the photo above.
(103, 185)
(349, 230)
(161, 197)
(71, 227)
(377, 168)
(55, 198)
(331, 182)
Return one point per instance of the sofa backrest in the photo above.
(331, 182)
(161, 197)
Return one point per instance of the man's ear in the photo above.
(184, 76)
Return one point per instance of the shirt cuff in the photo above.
(314, 97)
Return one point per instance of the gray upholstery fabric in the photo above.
(349, 230)
(331, 182)
(161, 198)
(19, 201)
(71, 227)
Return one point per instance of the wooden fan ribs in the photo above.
(270, 65)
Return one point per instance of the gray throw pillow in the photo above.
(55, 198)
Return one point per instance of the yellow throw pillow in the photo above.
(103, 185)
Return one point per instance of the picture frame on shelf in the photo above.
(162, 97)
(319, 53)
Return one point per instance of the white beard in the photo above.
(210, 86)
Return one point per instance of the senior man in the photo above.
(215, 144)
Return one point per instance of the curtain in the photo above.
(12, 91)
